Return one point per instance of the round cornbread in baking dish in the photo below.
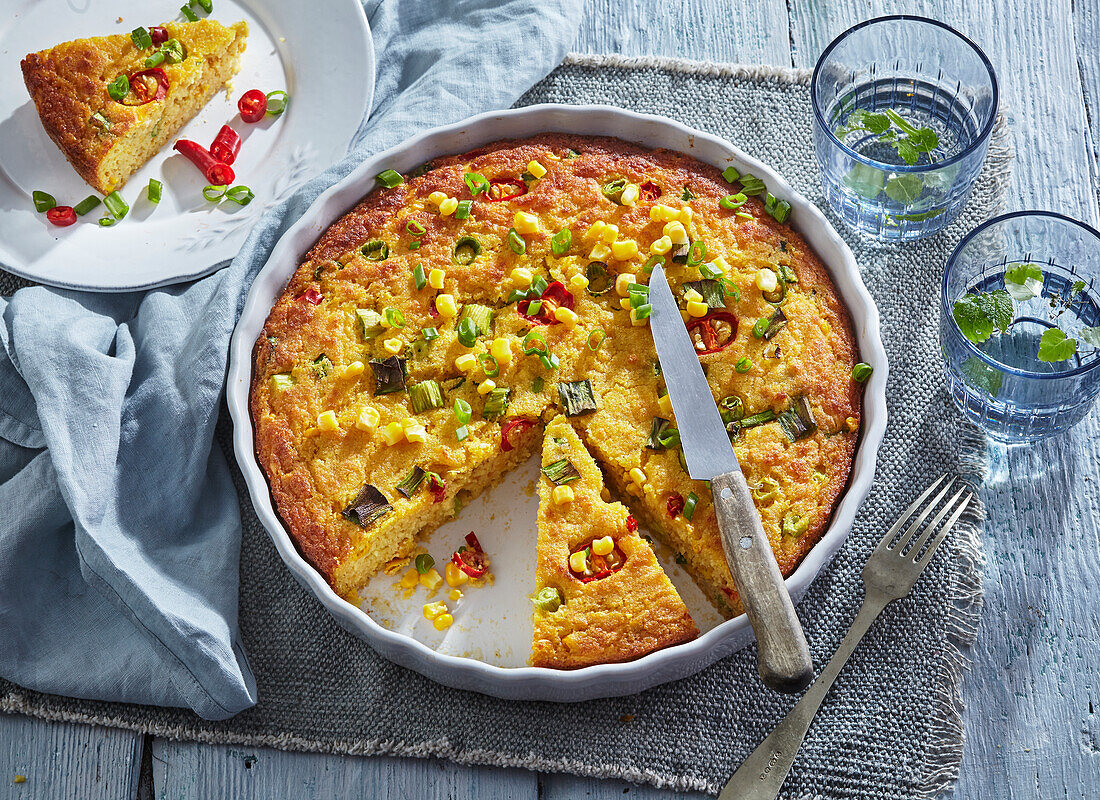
(421, 346)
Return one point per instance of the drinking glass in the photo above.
(903, 110)
(1008, 384)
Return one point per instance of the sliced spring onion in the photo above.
(752, 185)
(537, 384)
(798, 421)
(424, 563)
(730, 288)
(516, 242)
(596, 338)
(680, 253)
(116, 205)
(657, 427)
(758, 418)
(744, 215)
(475, 182)
(613, 189)
(106, 222)
(652, 262)
(100, 121)
(155, 59)
(860, 372)
(156, 188)
(787, 274)
(643, 311)
(687, 194)
(119, 87)
(489, 365)
(731, 174)
(408, 487)
(368, 505)
(480, 316)
(732, 202)
(538, 286)
(425, 396)
(577, 397)
(710, 271)
(375, 250)
(760, 327)
(463, 210)
(689, 506)
(461, 433)
(496, 403)
(561, 241)
(467, 332)
(463, 411)
(241, 195)
(547, 599)
(322, 365)
(86, 205)
(173, 51)
(743, 365)
(141, 38)
(277, 102)
(561, 472)
(188, 14)
(205, 5)
(389, 375)
(214, 193)
(776, 323)
(534, 343)
(394, 318)
(466, 249)
(414, 227)
(731, 408)
(710, 290)
(534, 307)
(599, 279)
(420, 280)
(414, 244)
(43, 202)
(549, 361)
(370, 323)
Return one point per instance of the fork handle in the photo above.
(763, 772)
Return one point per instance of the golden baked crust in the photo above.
(632, 611)
(68, 84)
(315, 473)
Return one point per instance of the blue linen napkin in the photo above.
(119, 525)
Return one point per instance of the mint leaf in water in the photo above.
(876, 123)
(979, 314)
(1024, 282)
(904, 188)
(1056, 346)
(907, 152)
(864, 180)
(1091, 336)
(982, 376)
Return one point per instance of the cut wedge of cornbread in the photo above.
(108, 139)
(600, 595)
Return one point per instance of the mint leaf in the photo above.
(1000, 308)
(982, 376)
(978, 315)
(1024, 282)
(904, 188)
(926, 140)
(876, 123)
(1055, 346)
(1091, 335)
(864, 180)
(907, 152)
(1076, 289)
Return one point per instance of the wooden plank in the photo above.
(1086, 23)
(61, 761)
(184, 770)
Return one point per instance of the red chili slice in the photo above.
(61, 216)
(252, 105)
(438, 487)
(675, 504)
(159, 34)
(516, 426)
(501, 189)
(470, 558)
(601, 566)
(141, 87)
(649, 191)
(226, 145)
(555, 295)
(312, 295)
(707, 336)
(631, 523)
(216, 172)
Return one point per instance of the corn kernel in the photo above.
(433, 610)
(435, 198)
(630, 194)
(522, 276)
(685, 215)
(661, 246)
(466, 363)
(691, 294)
(417, 433)
(393, 433)
(595, 230)
(536, 169)
(354, 369)
(455, 576)
(578, 283)
(637, 321)
(637, 476)
(525, 223)
(409, 422)
(393, 346)
(720, 264)
(603, 546)
(610, 233)
(676, 232)
(571, 641)
(578, 562)
(562, 495)
(697, 309)
(446, 306)
(431, 580)
(566, 317)
(766, 280)
(435, 278)
(600, 252)
(624, 249)
(664, 402)
(622, 283)
(410, 579)
(501, 351)
(326, 421)
(368, 419)
(663, 213)
(624, 303)
(443, 621)
(448, 206)
(486, 386)
(454, 595)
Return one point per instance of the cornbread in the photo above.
(775, 342)
(107, 140)
(600, 595)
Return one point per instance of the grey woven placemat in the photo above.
(891, 726)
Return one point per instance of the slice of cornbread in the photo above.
(600, 594)
(107, 140)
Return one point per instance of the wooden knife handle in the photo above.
(784, 656)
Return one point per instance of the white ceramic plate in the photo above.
(324, 61)
(486, 648)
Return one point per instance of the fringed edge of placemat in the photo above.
(757, 72)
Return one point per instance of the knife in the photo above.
(784, 656)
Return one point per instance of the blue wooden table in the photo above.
(1032, 697)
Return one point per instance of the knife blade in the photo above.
(783, 654)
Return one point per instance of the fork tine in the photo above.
(930, 528)
(947, 526)
(916, 504)
(929, 508)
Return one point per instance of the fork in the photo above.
(889, 574)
